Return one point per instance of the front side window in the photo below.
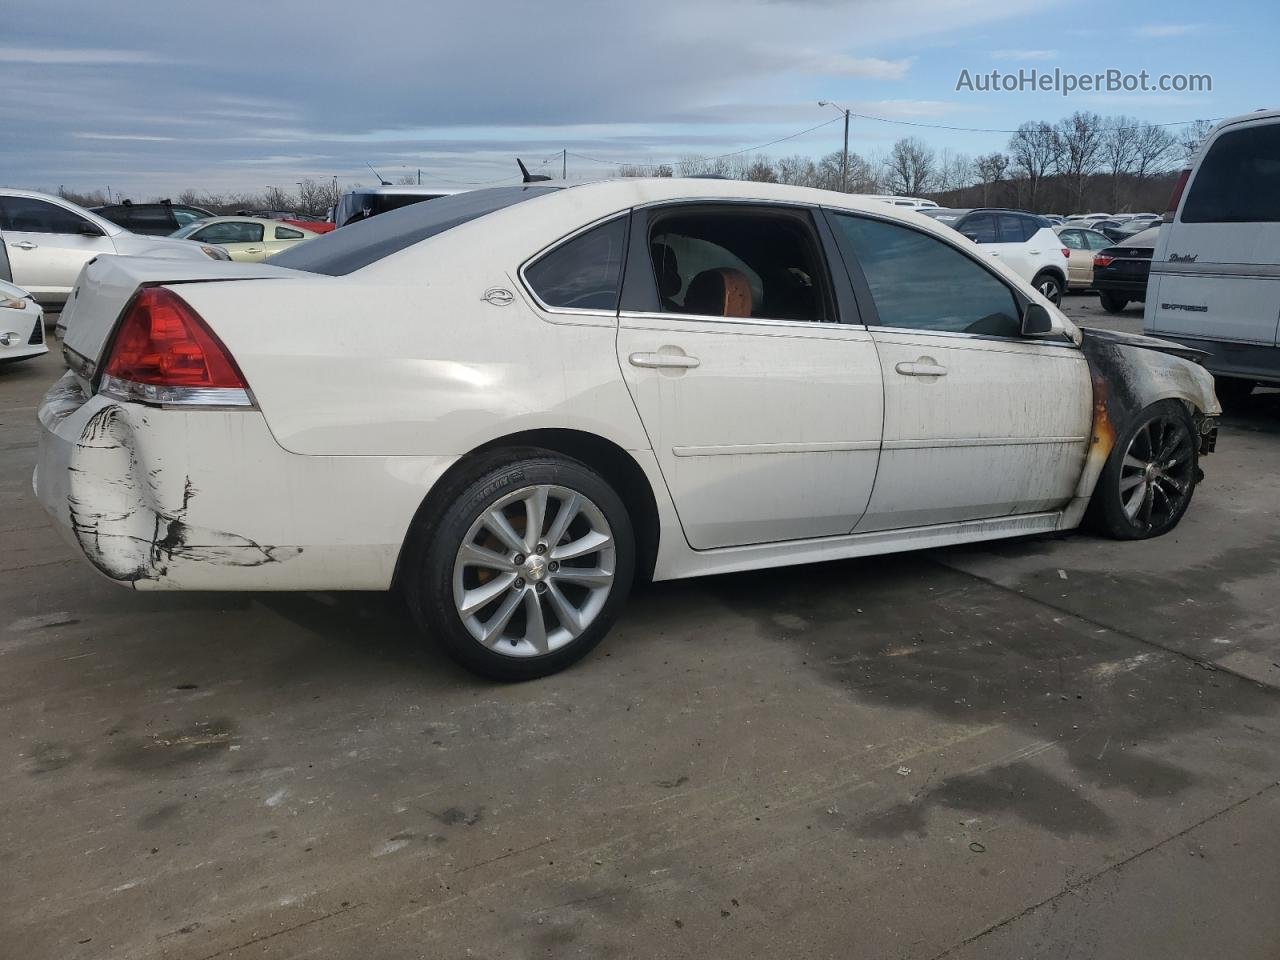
(1238, 180)
(920, 283)
(230, 232)
(725, 263)
(29, 215)
(584, 273)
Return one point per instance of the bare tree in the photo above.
(1191, 136)
(796, 170)
(315, 197)
(1118, 152)
(1034, 151)
(1156, 147)
(1080, 139)
(761, 171)
(990, 168)
(910, 167)
(691, 166)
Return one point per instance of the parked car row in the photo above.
(1024, 242)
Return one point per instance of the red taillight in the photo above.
(1175, 197)
(163, 342)
(1066, 253)
(1102, 260)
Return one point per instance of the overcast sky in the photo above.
(153, 97)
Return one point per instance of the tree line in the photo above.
(1084, 161)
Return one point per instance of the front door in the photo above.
(979, 422)
(764, 410)
(47, 245)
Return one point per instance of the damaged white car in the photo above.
(509, 404)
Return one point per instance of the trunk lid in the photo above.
(107, 283)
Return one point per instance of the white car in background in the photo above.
(21, 325)
(571, 387)
(1023, 242)
(1215, 271)
(46, 240)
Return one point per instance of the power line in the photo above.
(722, 156)
(943, 126)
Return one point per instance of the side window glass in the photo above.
(1098, 241)
(1072, 239)
(185, 217)
(1238, 180)
(921, 283)
(584, 273)
(980, 228)
(28, 215)
(1011, 228)
(284, 233)
(727, 263)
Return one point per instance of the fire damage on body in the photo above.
(121, 521)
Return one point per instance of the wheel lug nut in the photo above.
(541, 549)
(553, 566)
(519, 583)
(542, 588)
(518, 559)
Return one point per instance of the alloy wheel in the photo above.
(534, 570)
(1156, 473)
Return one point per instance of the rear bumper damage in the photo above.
(207, 500)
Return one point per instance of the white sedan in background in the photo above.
(21, 325)
(570, 388)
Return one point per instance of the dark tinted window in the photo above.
(148, 219)
(920, 283)
(343, 251)
(980, 228)
(288, 233)
(584, 273)
(1238, 180)
(231, 231)
(29, 215)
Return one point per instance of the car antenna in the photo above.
(530, 177)
(385, 183)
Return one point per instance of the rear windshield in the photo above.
(344, 251)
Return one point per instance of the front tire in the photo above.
(1050, 287)
(1149, 478)
(526, 569)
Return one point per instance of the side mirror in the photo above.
(1036, 321)
(972, 236)
(87, 229)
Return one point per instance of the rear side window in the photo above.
(1073, 239)
(980, 228)
(920, 283)
(357, 245)
(584, 273)
(284, 233)
(1238, 180)
(29, 215)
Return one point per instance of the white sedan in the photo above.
(21, 325)
(510, 403)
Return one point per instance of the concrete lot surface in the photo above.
(1056, 747)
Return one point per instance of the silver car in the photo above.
(45, 240)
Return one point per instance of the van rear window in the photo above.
(344, 251)
(1238, 180)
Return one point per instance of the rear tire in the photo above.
(1150, 476)
(526, 568)
(1112, 302)
(1050, 286)
(1233, 391)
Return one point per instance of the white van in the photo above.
(1215, 273)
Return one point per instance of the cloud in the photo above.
(1024, 55)
(131, 137)
(836, 64)
(1162, 30)
(80, 57)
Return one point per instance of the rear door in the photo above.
(1216, 273)
(759, 389)
(47, 245)
(1080, 262)
(244, 240)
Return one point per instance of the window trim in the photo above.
(568, 238)
(867, 303)
(836, 299)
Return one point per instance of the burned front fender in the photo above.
(1129, 373)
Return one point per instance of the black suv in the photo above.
(156, 219)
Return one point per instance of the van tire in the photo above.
(1112, 302)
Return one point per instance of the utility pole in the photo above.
(419, 176)
(564, 164)
(844, 163)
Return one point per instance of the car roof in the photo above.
(232, 218)
(409, 188)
